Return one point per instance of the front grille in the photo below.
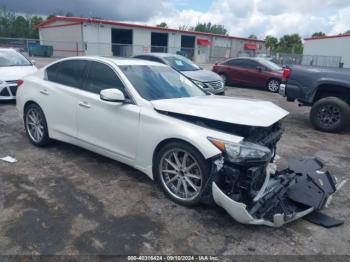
(12, 84)
(4, 92)
(215, 84)
(267, 136)
(13, 90)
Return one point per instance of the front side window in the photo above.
(160, 82)
(234, 62)
(12, 58)
(249, 64)
(180, 63)
(69, 73)
(101, 77)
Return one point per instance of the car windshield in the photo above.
(181, 63)
(271, 65)
(160, 82)
(12, 58)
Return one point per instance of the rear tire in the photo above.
(36, 126)
(178, 165)
(330, 114)
(273, 85)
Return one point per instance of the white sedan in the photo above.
(13, 66)
(198, 147)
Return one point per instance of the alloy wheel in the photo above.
(35, 125)
(329, 115)
(273, 85)
(180, 174)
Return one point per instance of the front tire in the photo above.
(36, 125)
(273, 85)
(181, 172)
(330, 114)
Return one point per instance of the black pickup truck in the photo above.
(326, 90)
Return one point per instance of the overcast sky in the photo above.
(240, 17)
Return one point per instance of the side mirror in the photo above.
(33, 61)
(259, 68)
(112, 95)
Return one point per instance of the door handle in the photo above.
(84, 104)
(44, 92)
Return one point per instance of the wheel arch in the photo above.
(332, 90)
(272, 78)
(162, 143)
(28, 103)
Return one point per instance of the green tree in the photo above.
(318, 34)
(210, 28)
(51, 16)
(271, 42)
(347, 32)
(162, 24)
(7, 19)
(59, 13)
(252, 36)
(33, 30)
(20, 27)
(290, 44)
(185, 28)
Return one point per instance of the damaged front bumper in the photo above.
(284, 196)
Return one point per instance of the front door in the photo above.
(111, 128)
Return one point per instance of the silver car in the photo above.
(205, 79)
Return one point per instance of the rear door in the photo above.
(111, 128)
(234, 71)
(59, 97)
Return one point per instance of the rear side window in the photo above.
(101, 77)
(69, 73)
(51, 72)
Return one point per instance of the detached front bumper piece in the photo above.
(285, 196)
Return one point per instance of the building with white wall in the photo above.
(336, 47)
(85, 36)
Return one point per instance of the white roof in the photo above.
(116, 60)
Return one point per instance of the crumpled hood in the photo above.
(240, 111)
(202, 75)
(16, 72)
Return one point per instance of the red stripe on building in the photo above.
(109, 22)
(326, 37)
(62, 25)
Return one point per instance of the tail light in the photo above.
(19, 83)
(286, 73)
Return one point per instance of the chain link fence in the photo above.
(51, 50)
(309, 60)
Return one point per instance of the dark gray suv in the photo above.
(205, 79)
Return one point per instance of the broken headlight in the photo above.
(243, 151)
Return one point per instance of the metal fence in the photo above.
(284, 59)
(207, 54)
